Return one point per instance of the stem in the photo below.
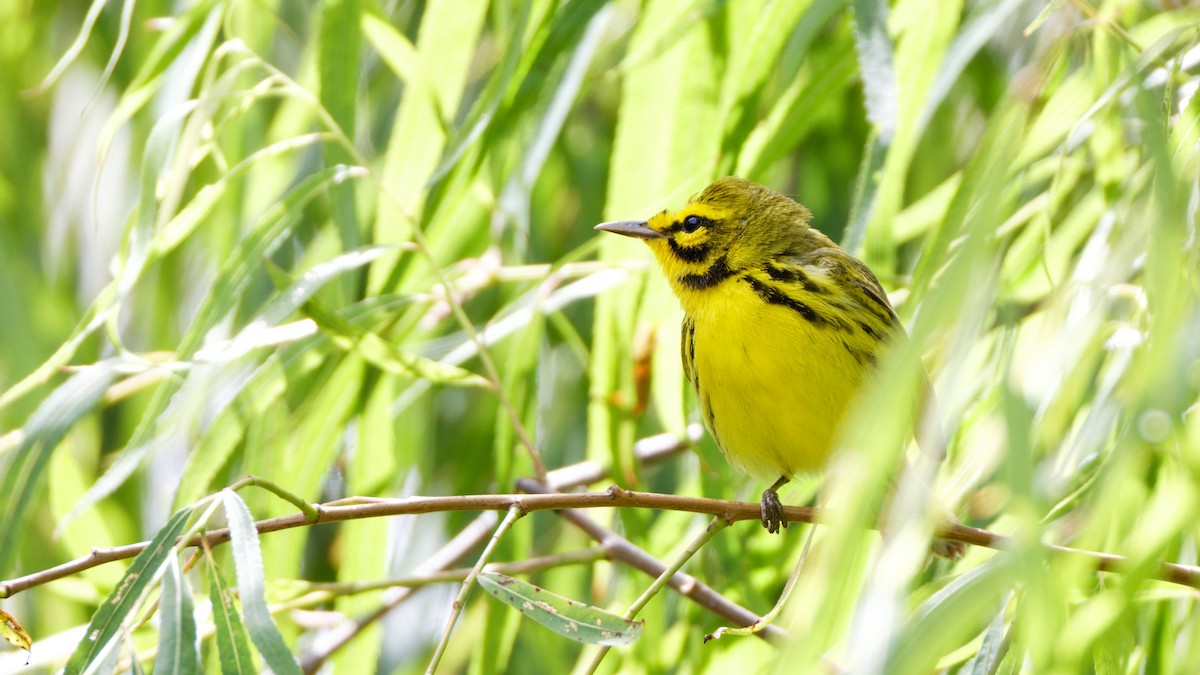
(312, 512)
(714, 526)
(769, 618)
(514, 512)
(320, 593)
(614, 497)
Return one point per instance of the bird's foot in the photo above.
(772, 511)
(948, 549)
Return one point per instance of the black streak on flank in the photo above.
(719, 271)
(793, 275)
(858, 354)
(871, 332)
(777, 297)
(692, 254)
(784, 273)
(692, 345)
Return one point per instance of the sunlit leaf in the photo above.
(234, 650)
(571, 619)
(247, 559)
(13, 633)
(117, 607)
(177, 624)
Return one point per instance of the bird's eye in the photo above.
(693, 223)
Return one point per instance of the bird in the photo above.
(782, 328)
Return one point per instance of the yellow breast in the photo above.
(772, 385)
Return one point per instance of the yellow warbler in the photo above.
(781, 326)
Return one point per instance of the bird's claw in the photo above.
(772, 512)
(949, 549)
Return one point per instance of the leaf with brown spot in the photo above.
(13, 633)
(569, 618)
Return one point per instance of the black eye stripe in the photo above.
(688, 225)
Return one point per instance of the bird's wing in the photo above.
(855, 277)
(687, 348)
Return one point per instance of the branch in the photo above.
(450, 553)
(620, 549)
(648, 450)
(614, 497)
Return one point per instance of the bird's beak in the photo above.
(631, 228)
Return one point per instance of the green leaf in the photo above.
(571, 619)
(247, 559)
(951, 615)
(338, 48)
(446, 44)
(116, 608)
(877, 66)
(227, 621)
(177, 625)
(222, 299)
(13, 633)
(993, 649)
(388, 356)
(21, 471)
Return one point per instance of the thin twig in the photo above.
(454, 550)
(320, 592)
(1117, 29)
(649, 451)
(310, 511)
(465, 589)
(622, 550)
(769, 618)
(418, 237)
(485, 356)
(714, 526)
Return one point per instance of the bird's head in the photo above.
(732, 225)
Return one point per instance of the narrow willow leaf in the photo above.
(970, 39)
(388, 356)
(338, 49)
(799, 107)
(951, 615)
(571, 619)
(516, 195)
(350, 337)
(13, 633)
(232, 646)
(119, 47)
(865, 190)
(446, 45)
(195, 27)
(262, 390)
(397, 52)
(993, 649)
(247, 558)
(107, 620)
(275, 222)
(222, 298)
(21, 471)
(877, 66)
(392, 359)
(754, 61)
(75, 49)
(177, 625)
(1042, 16)
(338, 61)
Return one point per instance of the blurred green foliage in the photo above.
(347, 246)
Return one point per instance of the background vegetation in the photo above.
(347, 246)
